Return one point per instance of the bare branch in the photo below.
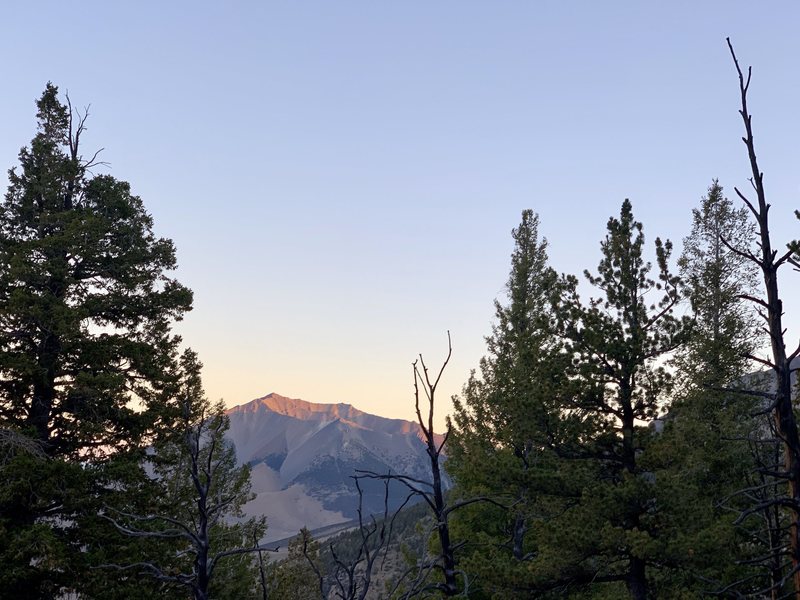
(463, 503)
(235, 552)
(11, 441)
(745, 199)
(766, 362)
(786, 257)
(747, 255)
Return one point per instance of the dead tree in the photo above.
(202, 492)
(761, 520)
(446, 562)
(431, 492)
(437, 573)
(770, 308)
(351, 575)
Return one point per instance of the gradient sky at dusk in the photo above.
(341, 178)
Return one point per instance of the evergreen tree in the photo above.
(508, 422)
(86, 350)
(717, 277)
(705, 454)
(606, 540)
(294, 578)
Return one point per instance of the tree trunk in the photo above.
(769, 264)
(785, 422)
(448, 557)
(637, 582)
(518, 537)
(44, 389)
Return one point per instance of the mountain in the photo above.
(304, 455)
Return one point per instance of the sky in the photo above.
(341, 179)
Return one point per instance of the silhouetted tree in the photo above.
(203, 492)
(769, 305)
(86, 349)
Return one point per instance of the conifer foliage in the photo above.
(606, 448)
(717, 277)
(712, 444)
(86, 349)
(507, 421)
(557, 424)
(85, 296)
(617, 343)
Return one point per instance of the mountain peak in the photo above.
(300, 409)
(304, 456)
(303, 411)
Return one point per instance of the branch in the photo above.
(748, 255)
(444, 439)
(446, 360)
(744, 198)
(753, 299)
(11, 439)
(654, 319)
(404, 479)
(314, 568)
(786, 257)
(213, 562)
(261, 574)
(181, 530)
(463, 503)
(153, 571)
(758, 359)
(794, 355)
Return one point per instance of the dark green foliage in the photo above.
(603, 450)
(508, 422)
(610, 536)
(556, 427)
(716, 278)
(84, 297)
(86, 352)
(712, 446)
(642, 466)
(294, 578)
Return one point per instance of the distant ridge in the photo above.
(304, 410)
(304, 455)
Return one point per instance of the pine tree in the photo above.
(705, 453)
(609, 536)
(717, 277)
(86, 350)
(508, 422)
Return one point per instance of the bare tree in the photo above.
(437, 572)
(770, 309)
(203, 492)
(353, 569)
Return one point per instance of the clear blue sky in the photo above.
(340, 178)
